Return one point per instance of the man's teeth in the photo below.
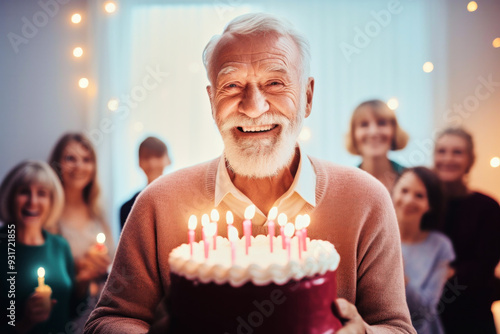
(257, 128)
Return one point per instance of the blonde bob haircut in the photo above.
(381, 111)
(25, 174)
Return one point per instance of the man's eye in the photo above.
(232, 85)
(275, 83)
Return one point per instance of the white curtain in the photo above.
(148, 56)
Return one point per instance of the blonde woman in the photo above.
(74, 160)
(373, 132)
(31, 201)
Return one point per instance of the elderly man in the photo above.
(260, 92)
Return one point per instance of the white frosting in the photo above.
(260, 266)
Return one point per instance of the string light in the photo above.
(428, 67)
(496, 42)
(77, 52)
(495, 162)
(110, 7)
(472, 6)
(76, 18)
(393, 103)
(83, 83)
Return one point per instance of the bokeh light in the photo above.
(110, 7)
(83, 83)
(495, 162)
(77, 52)
(428, 67)
(472, 6)
(393, 103)
(76, 18)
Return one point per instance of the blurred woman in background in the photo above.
(31, 200)
(418, 201)
(373, 132)
(472, 222)
(74, 160)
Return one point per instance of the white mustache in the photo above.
(239, 120)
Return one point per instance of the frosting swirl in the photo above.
(260, 266)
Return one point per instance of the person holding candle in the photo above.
(472, 222)
(373, 132)
(260, 92)
(418, 201)
(31, 200)
(74, 160)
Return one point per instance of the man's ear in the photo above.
(309, 95)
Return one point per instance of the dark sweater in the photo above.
(473, 225)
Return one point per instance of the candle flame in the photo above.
(233, 234)
(214, 215)
(193, 221)
(289, 229)
(229, 217)
(306, 220)
(250, 212)
(205, 220)
(41, 272)
(282, 219)
(273, 213)
(299, 222)
(100, 238)
(211, 228)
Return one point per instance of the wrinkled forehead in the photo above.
(269, 49)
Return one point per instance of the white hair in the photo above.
(261, 23)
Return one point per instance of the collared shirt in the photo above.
(302, 191)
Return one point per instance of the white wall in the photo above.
(38, 83)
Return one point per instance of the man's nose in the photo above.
(253, 103)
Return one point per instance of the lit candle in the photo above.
(205, 220)
(270, 225)
(495, 309)
(233, 237)
(43, 290)
(210, 230)
(247, 226)
(306, 220)
(41, 277)
(229, 221)
(298, 233)
(289, 230)
(101, 238)
(282, 220)
(214, 215)
(191, 227)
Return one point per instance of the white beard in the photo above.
(265, 157)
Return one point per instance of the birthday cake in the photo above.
(230, 291)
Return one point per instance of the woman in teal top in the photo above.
(373, 132)
(31, 199)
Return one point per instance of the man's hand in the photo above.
(353, 323)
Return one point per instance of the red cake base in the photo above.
(294, 308)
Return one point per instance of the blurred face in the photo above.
(373, 137)
(153, 166)
(32, 205)
(451, 159)
(258, 101)
(77, 166)
(410, 199)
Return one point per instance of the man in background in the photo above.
(153, 158)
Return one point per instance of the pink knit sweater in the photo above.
(353, 211)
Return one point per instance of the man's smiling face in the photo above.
(259, 101)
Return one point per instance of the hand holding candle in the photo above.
(214, 216)
(289, 230)
(282, 220)
(247, 226)
(271, 225)
(193, 221)
(43, 290)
